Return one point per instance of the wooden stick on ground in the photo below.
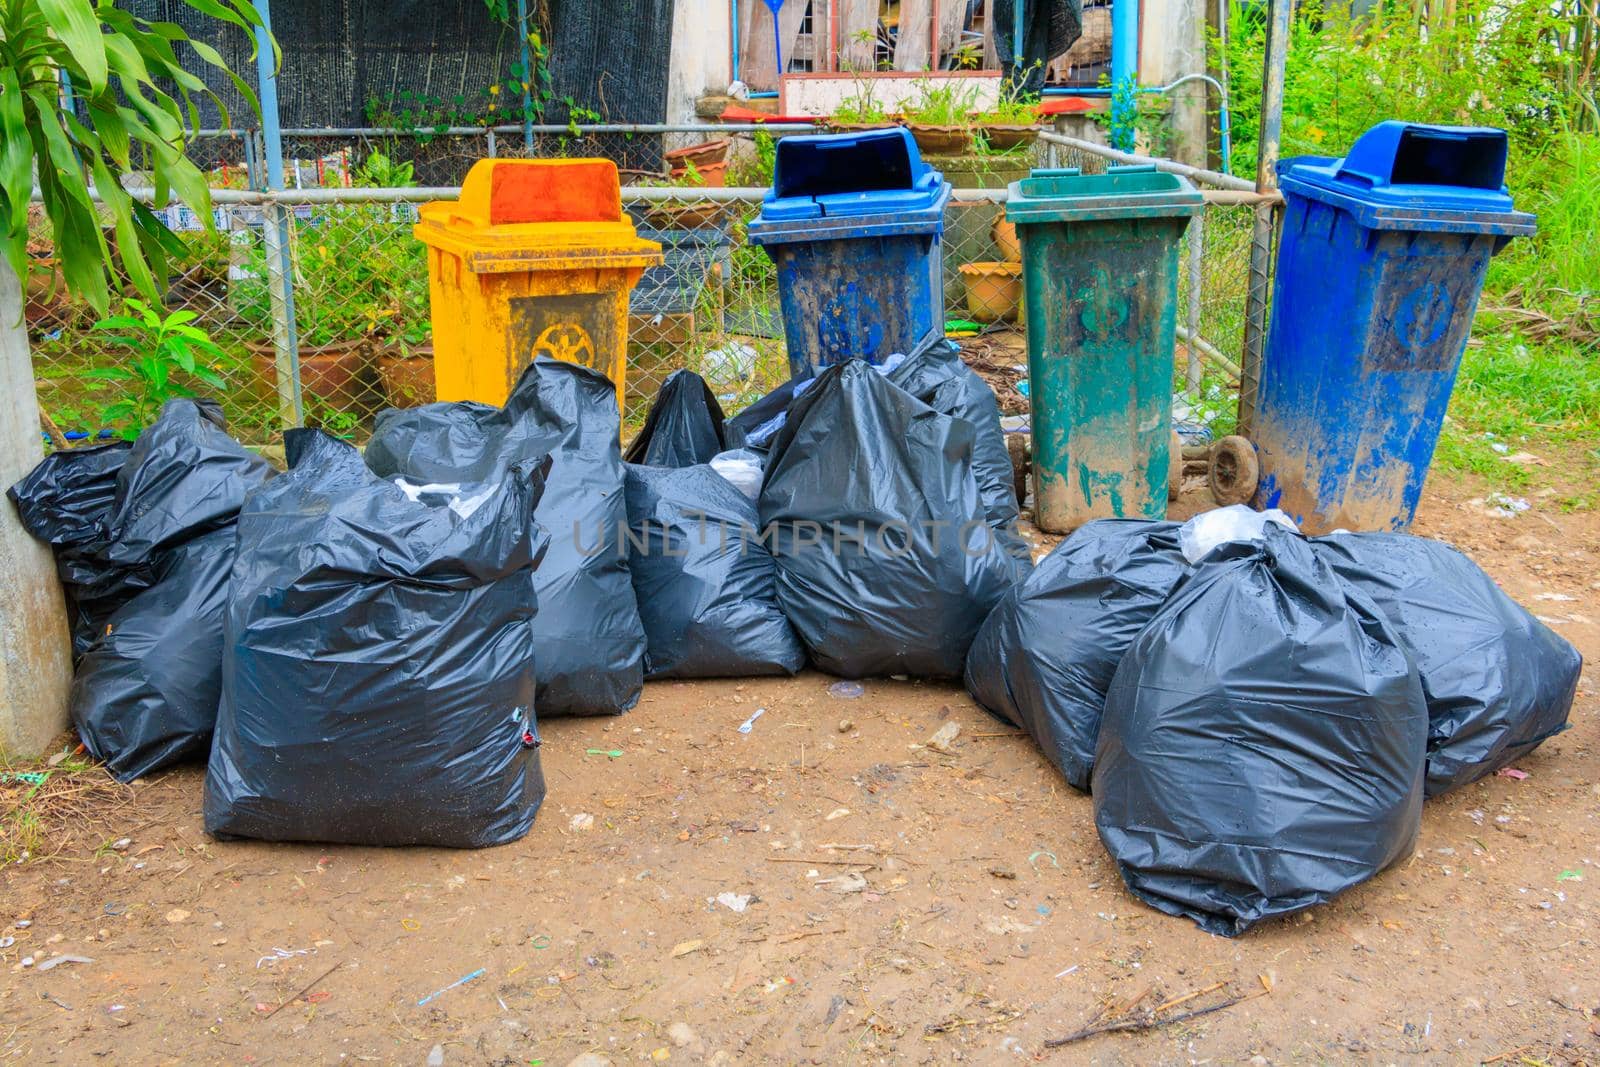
(1146, 1022)
(308, 987)
(1175, 1001)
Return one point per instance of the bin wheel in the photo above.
(1234, 470)
(1174, 467)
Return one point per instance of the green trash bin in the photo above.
(1100, 273)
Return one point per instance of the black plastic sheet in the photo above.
(707, 586)
(1046, 654)
(378, 686)
(886, 564)
(1263, 741)
(588, 638)
(64, 502)
(684, 425)
(1498, 681)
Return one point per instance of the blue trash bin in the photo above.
(1380, 263)
(854, 223)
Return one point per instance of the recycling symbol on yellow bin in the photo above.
(566, 341)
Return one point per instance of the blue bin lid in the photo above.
(1410, 176)
(849, 177)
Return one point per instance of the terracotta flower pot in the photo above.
(994, 291)
(841, 126)
(339, 373)
(407, 379)
(45, 294)
(1007, 135)
(669, 216)
(1005, 236)
(712, 175)
(942, 140)
(699, 154)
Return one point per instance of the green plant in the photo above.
(860, 107)
(133, 106)
(756, 170)
(163, 353)
(946, 104)
(359, 275)
(1476, 62)
(378, 171)
(325, 416)
(1016, 106)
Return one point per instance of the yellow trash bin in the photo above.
(535, 259)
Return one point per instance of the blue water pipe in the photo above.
(733, 11)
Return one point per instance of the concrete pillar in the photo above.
(35, 649)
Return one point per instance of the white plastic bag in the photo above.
(1238, 522)
(742, 468)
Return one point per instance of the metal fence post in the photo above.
(275, 230)
(1259, 293)
(1192, 370)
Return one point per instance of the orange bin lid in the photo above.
(526, 214)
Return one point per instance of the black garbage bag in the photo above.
(1263, 741)
(378, 682)
(684, 425)
(145, 695)
(184, 476)
(886, 564)
(1498, 681)
(706, 584)
(1046, 654)
(587, 636)
(65, 502)
(936, 375)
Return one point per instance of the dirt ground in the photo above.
(990, 919)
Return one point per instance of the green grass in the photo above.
(1536, 386)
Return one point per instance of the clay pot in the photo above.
(994, 291)
(1005, 236)
(339, 373)
(712, 175)
(1007, 135)
(45, 293)
(942, 140)
(699, 154)
(669, 216)
(838, 126)
(407, 379)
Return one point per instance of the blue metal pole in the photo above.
(275, 228)
(527, 76)
(267, 93)
(1124, 72)
(1016, 41)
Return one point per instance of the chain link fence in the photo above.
(359, 283)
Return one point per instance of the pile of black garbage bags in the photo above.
(1259, 715)
(363, 645)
